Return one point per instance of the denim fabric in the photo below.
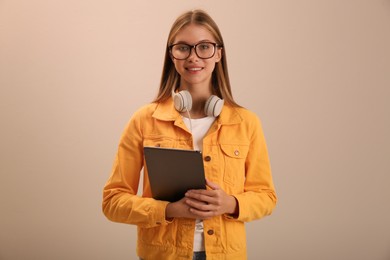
(196, 256)
(199, 256)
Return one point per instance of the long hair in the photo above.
(170, 79)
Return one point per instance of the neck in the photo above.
(198, 92)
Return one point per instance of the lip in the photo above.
(194, 69)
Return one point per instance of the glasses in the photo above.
(204, 50)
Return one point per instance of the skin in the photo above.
(199, 204)
(203, 204)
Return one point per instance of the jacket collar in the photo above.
(166, 111)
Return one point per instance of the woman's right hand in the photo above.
(180, 209)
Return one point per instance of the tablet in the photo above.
(172, 172)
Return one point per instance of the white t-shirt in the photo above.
(199, 128)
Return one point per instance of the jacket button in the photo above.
(210, 232)
(207, 158)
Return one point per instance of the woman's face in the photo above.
(195, 70)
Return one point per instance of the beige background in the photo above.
(316, 72)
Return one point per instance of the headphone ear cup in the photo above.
(182, 101)
(213, 106)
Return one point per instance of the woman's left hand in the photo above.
(211, 202)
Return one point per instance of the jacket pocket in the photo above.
(234, 156)
(159, 141)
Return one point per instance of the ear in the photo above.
(218, 55)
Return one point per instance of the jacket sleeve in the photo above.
(259, 197)
(120, 200)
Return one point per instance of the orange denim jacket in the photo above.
(237, 159)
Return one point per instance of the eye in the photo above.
(204, 46)
(182, 47)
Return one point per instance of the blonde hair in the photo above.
(170, 79)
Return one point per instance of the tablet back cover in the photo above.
(172, 172)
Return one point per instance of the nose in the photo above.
(192, 54)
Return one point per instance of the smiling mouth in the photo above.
(194, 69)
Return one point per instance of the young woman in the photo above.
(194, 109)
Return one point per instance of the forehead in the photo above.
(194, 33)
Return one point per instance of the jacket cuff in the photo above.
(160, 218)
(236, 214)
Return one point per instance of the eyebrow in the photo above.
(184, 42)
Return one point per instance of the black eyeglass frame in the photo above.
(216, 45)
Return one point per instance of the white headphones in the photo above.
(183, 102)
